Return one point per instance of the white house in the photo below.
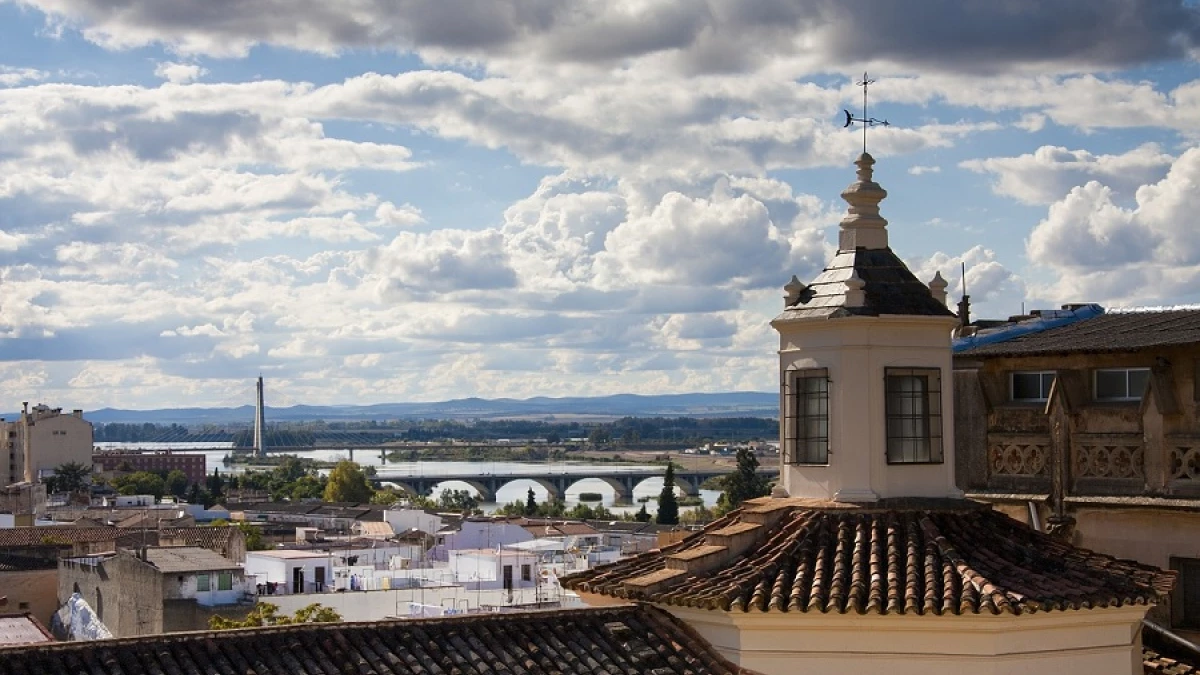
(403, 520)
(477, 534)
(285, 572)
(488, 569)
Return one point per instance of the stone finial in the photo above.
(793, 289)
(855, 295)
(863, 227)
(937, 287)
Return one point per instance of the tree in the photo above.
(744, 483)
(267, 614)
(458, 500)
(531, 505)
(642, 516)
(254, 537)
(348, 483)
(70, 477)
(141, 483)
(177, 482)
(668, 507)
(386, 497)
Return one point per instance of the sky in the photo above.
(415, 200)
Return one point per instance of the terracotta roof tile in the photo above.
(898, 558)
(629, 640)
(1153, 662)
(50, 535)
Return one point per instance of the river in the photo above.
(512, 492)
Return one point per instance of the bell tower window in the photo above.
(913, 402)
(807, 416)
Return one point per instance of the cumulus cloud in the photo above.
(179, 73)
(1046, 174)
(1103, 251)
(993, 287)
(442, 261)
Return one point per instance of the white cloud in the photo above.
(179, 73)
(920, 170)
(1102, 251)
(1045, 175)
(11, 76)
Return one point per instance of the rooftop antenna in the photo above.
(867, 122)
(964, 306)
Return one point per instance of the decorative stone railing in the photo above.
(1018, 455)
(1183, 460)
(1120, 456)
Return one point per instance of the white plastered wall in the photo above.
(1086, 642)
(856, 351)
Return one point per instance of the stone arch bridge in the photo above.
(622, 481)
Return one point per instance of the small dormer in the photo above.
(865, 369)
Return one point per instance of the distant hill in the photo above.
(732, 404)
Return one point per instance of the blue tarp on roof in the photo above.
(1045, 320)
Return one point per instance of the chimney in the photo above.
(964, 310)
(25, 407)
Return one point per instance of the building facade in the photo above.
(1088, 424)
(42, 439)
(867, 554)
(156, 589)
(192, 465)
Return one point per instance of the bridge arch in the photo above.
(402, 486)
(622, 487)
(485, 492)
(553, 488)
(689, 487)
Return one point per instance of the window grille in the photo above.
(806, 416)
(913, 402)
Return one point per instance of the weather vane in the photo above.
(867, 122)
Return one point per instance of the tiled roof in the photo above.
(1154, 663)
(188, 559)
(890, 289)
(894, 557)
(1111, 332)
(627, 640)
(22, 629)
(542, 527)
(54, 535)
(211, 537)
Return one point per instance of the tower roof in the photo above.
(865, 278)
(893, 557)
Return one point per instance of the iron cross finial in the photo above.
(867, 122)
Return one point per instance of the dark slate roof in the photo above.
(629, 640)
(54, 535)
(1110, 332)
(890, 289)
(894, 557)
